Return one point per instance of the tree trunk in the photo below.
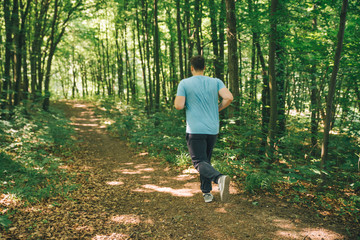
(17, 55)
(189, 36)
(178, 22)
(197, 23)
(133, 82)
(232, 52)
(142, 64)
(127, 70)
(332, 84)
(156, 56)
(46, 102)
(24, 52)
(272, 81)
(222, 20)
(172, 70)
(214, 38)
(119, 64)
(280, 71)
(313, 98)
(147, 49)
(8, 46)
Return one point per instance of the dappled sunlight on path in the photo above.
(128, 195)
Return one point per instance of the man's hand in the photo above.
(179, 102)
(227, 98)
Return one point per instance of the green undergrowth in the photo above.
(295, 176)
(33, 145)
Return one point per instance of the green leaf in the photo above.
(4, 221)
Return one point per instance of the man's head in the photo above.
(198, 63)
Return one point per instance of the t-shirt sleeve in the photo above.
(221, 85)
(181, 90)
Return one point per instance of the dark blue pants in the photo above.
(200, 148)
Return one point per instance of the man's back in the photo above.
(202, 112)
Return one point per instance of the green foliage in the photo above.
(29, 155)
(259, 181)
(4, 221)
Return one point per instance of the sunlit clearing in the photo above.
(138, 170)
(146, 177)
(184, 177)
(296, 113)
(291, 231)
(78, 105)
(190, 170)
(127, 171)
(9, 199)
(114, 183)
(113, 236)
(86, 124)
(175, 192)
(86, 168)
(220, 210)
(126, 219)
(64, 167)
(84, 228)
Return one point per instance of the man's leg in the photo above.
(200, 149)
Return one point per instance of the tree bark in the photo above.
(197, 24)
(189, 36)
(222, 20)
(313, 97)
(178, 25)
(8, 46)
(142, 63)
(332, 84)
(147, 49)
(214, 38)
(272, 81)
(232, 52)
(280, 71)
(17, 54)
(156, 56)
(24, 15)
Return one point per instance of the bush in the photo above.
(30, 154)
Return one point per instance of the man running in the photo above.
(199, 94)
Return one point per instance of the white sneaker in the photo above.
(208, 197)
(224, 183)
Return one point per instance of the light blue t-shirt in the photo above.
(201, 101)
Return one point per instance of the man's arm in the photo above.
(179, 102)
(227, 98)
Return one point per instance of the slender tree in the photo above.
(156, 56)
(314, 92)
(332, 84)
(214, 38)
(272, 80)
(232, 52)
(222, 20)
(8, 47)
(179, 37)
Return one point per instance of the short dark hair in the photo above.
(198, 62)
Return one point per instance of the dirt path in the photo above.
(127, 195)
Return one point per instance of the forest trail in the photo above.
(128, 195)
